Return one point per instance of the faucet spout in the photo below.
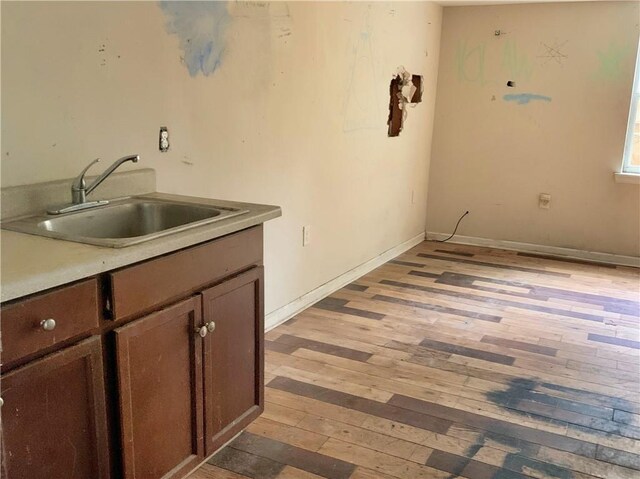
(111, 169)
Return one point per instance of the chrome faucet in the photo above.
(80, 190)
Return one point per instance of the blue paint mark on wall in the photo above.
(201, 27)
(524, 98)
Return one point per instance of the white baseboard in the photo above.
(288, 311)
(541, 249)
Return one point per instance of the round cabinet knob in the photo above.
(202, 331)
(48, 324)
(211, 326)
(1, 402)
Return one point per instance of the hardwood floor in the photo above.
(454, 361)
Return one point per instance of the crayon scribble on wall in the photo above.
(201, 28)
(524, 98)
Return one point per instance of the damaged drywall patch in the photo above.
(405, 90)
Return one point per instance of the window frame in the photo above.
(626, 167)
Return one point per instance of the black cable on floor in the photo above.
(454, 230)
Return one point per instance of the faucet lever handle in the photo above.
(79, 182)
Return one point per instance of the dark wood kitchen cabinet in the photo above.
(162, 366)
(159, 360)
(54, 422)
(190, 371)
(233, 356)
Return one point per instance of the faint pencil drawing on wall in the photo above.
(553, 52)
(361, 109)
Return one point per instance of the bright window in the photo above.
(631, 163)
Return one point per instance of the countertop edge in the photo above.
(87, 260)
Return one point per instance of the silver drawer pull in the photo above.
(211, 326)
(202, 331)
(1, 402)
(48, 324)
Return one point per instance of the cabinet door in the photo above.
(159, 364)
(234, 356)
(54, 417)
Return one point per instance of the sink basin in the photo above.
(125, 222)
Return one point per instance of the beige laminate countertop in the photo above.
(34, 263)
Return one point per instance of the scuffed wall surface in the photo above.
(559, 129)
(284, 104)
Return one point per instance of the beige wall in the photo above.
(295, 116)
(493, 157)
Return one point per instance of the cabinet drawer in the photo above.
(140, 288)
(73, 308)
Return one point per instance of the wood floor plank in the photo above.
(509, 343)
(494, 265)
(308, 405)
(363, 473)
(207, 471)
(246, 464)
(627, 343)
(282, 414)
(309, 332)
(328, 348)
(362, 404)
(366, 438)
(294, 473)
(491, 424)
(292, 435)
(285, 454)
(590, 466)
(390, 465)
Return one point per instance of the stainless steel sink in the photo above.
(124, 222)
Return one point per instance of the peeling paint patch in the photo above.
(405, 90)
(524, 98)
(201, 28)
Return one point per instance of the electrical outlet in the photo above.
(306, 235)
(544, 201)
(164, 139)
